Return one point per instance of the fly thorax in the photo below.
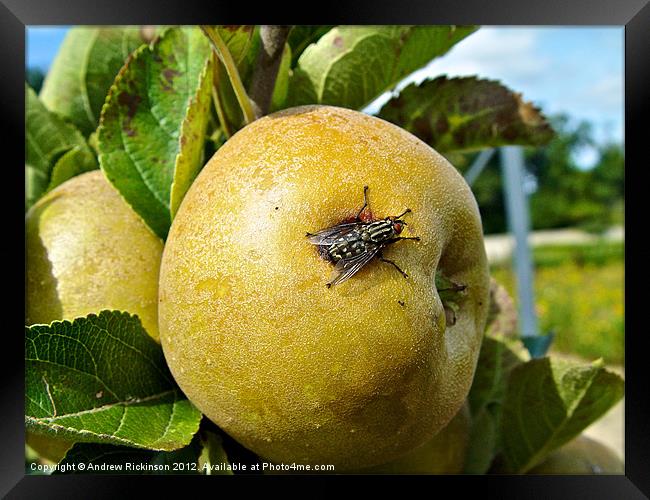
(381, 231)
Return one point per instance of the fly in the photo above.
(352, 245)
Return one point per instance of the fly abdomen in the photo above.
(347, 247)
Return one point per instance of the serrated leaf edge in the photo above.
(517, 96)
(38, 426)
(118, 315)
(205, 73)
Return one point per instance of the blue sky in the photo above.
(577, 70)
(42, 44)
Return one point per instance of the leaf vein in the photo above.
(169, 422)
(93, 375)
(107, 407)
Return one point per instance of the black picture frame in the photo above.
(634, 15)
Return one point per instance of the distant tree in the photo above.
(566, 196)
(609, 184)
(488, 190)
(34, 78)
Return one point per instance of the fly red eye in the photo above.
(397, 227)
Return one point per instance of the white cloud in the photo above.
(494, 53)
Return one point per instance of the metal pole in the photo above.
(518, 219)
(479, 164)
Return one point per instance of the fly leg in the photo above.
(365, 203)
(392, 263)
(393, 240)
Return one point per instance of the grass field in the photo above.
(579, 293)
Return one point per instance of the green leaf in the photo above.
(214, 460)
(74, 162)
(153, 124)
(483, 441)
(216, 140)
(192, 138)
(238, 39)
(497, 359)
(350, 66)
(464, 114)
(84, 69)
(93, 458)
(548, 402)
(102, 379)
(244, 44)
(300, 37)
(495, 362)
(55, 149)
(36, 183)
(281, 88)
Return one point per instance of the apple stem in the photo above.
(266, 68)
(451, 294)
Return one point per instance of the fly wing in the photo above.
(346, 268)
(331, 234)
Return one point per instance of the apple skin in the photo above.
(444, 453)
(87, 251)
(582, 455)
(48, 448)
(353, 375)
